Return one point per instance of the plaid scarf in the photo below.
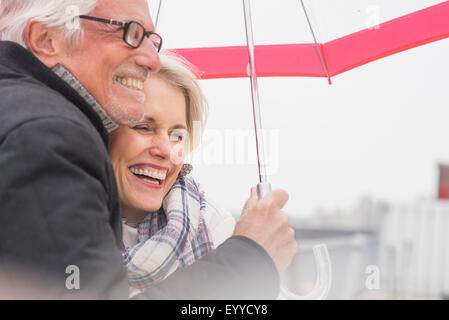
(171, 238)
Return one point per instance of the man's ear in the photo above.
(44, 43)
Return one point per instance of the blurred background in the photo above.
(365, 160)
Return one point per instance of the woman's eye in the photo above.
(176, 136)
(143, 128)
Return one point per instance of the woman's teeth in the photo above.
(151, 181)
(149, 173)
(130, 82)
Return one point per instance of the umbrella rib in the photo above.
(157, 14)
(316, 42)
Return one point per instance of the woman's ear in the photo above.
(44, 43)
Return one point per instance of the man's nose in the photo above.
(148, 56)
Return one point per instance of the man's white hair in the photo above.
(59, 14)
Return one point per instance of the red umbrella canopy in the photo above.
(379, 126)
(329, 58)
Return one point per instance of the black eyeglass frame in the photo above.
(125, 26)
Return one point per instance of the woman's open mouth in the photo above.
(149, 176)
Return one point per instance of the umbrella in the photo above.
(326, 59)
(211, 25)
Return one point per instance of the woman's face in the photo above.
(147, 156)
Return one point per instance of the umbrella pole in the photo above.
(322, 260)
(264, 186)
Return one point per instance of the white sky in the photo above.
(379, 131)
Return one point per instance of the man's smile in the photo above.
(130, 82)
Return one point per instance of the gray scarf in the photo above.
(65, 75)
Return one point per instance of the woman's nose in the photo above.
(161, 147)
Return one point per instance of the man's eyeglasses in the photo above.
(134, 32)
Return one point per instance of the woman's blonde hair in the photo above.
(180, 73)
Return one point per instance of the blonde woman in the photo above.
(167, 221)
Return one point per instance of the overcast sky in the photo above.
(380, 130)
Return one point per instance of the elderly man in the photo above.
(60, 233)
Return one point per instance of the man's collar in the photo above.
(70, 79)
(18, 60)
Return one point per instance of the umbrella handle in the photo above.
(323, 279)
(322, 262)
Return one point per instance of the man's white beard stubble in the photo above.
(119, 112)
